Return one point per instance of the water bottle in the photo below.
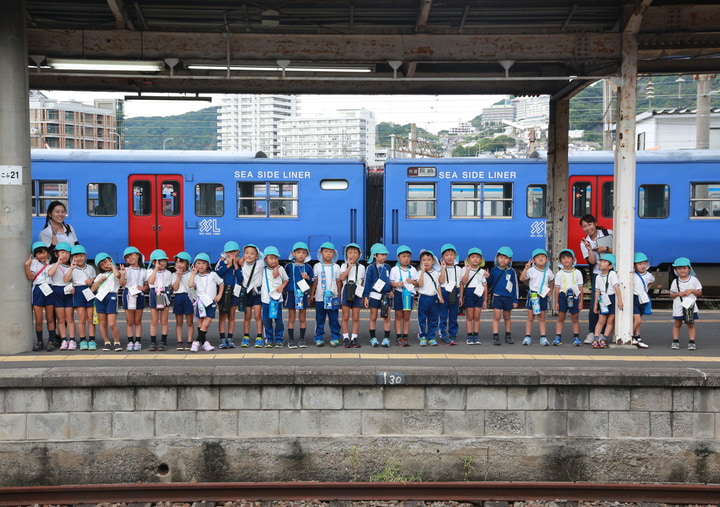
(535, 303)
(570, 298)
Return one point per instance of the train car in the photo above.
(491, 203)
(196, 201)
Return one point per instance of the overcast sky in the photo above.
(431, 112)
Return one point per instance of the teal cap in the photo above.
(506, 251)
(681, 261)
(63, 245)
(271, 250)
(403, 249)
(608, 257)
(640, 257)
(352, 245)
(446, 247)
(231, 246)
(202, 257)
(377, 248)
(539, 251)
(184, 256)
(38, 244)
(130, 250)
(158, 255)
(78, 249)
(567, 251)
(300, 245)
(475, 251)
(436, 263)
(327, 246)
(101, 257)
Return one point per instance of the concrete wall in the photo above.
(105, 425)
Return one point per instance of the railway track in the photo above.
(325, 491)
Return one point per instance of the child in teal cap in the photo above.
(326, 291)
(568, 295)
(539, 278)
(503, 285)
(642, 281)
(473, 288)
(607, 296)
(378, 293)
(36, 269)
(449, 307)
(252, 265)
(684, 291)
(352, 276)
(403, 278)
(300, 279)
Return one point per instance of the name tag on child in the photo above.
(274, 294)
(643, 298)
(134, 291)
(688, 302)
(544, 292)
(236, 290)
(509, 286)
(378, 287)
(303, 286)
(479, 290)
(449, 286)
(376, 295)
(359, 291)
(409, 286)
(102, 293)
(46, 289)
(68, 289)
(206, 300)
(89, 296)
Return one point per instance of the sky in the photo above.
(430, 112)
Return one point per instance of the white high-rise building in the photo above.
(249, 122)
(347, 133)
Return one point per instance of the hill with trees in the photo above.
(196, 130)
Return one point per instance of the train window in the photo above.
(101, 199)
(608, 190)
(45, 192)
(466, 199)
(705, 200)
(497, 200)
(209, 199)
(421, 200)
(653, 201)
(334, 184)
(582, 197)
(170, 195)
(267, 199)
(536, 203)
(142, 200)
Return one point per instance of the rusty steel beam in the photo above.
(423, 15)
(686, 17)
(121, 18)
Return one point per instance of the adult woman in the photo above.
(591, 252)
(56, 230)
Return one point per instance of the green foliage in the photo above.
(392, 472)
(468, 467)
(354, 462)
(385, 129)
(196, 130)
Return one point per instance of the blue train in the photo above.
(195, 201)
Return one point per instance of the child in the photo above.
(134, 279)
(403, 279)
(472, 294)
(36, 270)
(430, 295)
(641, 296)
(684, 291)
(504, 286)
(540, 283)
(352, 275)
(82, 275)
(450, 276)
(378, 292)
(105, 287)
(63, 296)
(273, 283)
(606, 297)
(300, 276)
(161, 280)
(568, 295)
(229, 269)
(252, 266)
(182, 303)
(209, 288)
(326, 289)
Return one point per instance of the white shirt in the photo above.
(81, 275)
(535, 278)
(183, 287)
(257, 275)
(57, 278)
(35, 267)
(572, 279)
(207, 284)
(163, 278)
(677, 285)
(476, 277)
(111, 283)
(594, 245)
(606, 284)
(357, 273)
(275, 282)
(638, 286)
(453, 275)
(428, 288)
(398, 274)
(332, 274)
(70, 238)
(135, 277)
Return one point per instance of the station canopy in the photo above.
(520, 47)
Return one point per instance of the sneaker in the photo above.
(195, 346)
(354, 343)
(374, 342)
(423, 342)
(292, 344)
(64, 344)
(334, 343)
(207, 347)
(603, 345)
(691, 346)
(153, 347)
(470, 340)
(496, 340)
(188, 345)
(117, 347)
(302, 343)
(130, 347)
(319, 342)
(589, 338)
(180, 347)
(92, 345)
(223, 343)
(245, 342)
(403, 342)
(107, 347)
(269, 343)
(451, 342)
(138, 346)
(577, 342)
(445, 340)
(346, 343)
(162, 347)
(259, 343)
(433, 342)
(595, 345)
(528, 341)
(557, 341)
(640, 344)
(477, 341)
(675, 346)
(279, 344)
(230, 343)
(508, 339)
(385, 342)
(544, 342)
(72, 345)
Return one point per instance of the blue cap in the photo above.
(640, 257)
(506, 251)
(130, 250)
(101, 257)
(38, 244)
(567, 251)
(681, 261)
(271, 250)
(539, 251)
(474, 250)
(184, 256)
(436, 263)
(63, 245)
(327, 246)
(446, 247)
(608, 257)
(352, 245)
(158, 255)
(231, 246)
(202, 257)
(403, 249)
(78, 249)
(377, 248)
(300, 245)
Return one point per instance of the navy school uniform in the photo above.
(294, 272)
(372, 275)
(448, 313)
(230, 276)
(503, 284)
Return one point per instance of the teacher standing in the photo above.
(56, 230)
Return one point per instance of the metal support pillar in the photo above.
(624, 203)
(15, 228)
(556, 227)
(702, 121)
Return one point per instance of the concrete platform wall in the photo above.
(106, 425)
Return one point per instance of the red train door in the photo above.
(593, 195)
(156, 215)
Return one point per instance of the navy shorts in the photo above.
(182, 304)
(40, 299)
(209, 311)
(107, 305)
(253, 300)
(543, 304)
(472, 300)
(563, 307)
(611, 306)
(695, 316)
(290, 301)
(153, 299)
(357, 302)
(62, 300)
(79, 300)
(397, 301)
(139, 305)
(504, 303)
